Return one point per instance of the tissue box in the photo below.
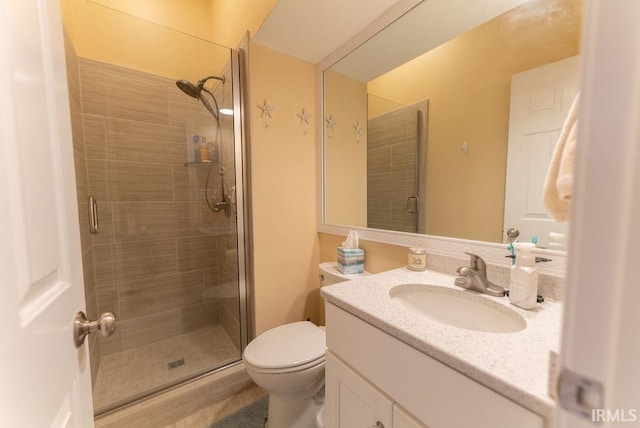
(350, 260)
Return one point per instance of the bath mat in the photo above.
(251, 416)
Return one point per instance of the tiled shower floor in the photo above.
(137, 371)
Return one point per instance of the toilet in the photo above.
(288, 362)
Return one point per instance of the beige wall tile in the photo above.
(141, 331)
(379, 161)
(95, 356)
(199, 316)
(97, 171)
(229, 297)
(83, 223)
(118, 92)
(132, 260)
(95, 136)
(73, 71)
(187, 112)
(195, 253)
(189, 182)
(89, 275)
(228, 255)
(211, 284)
(82, 185)
(404, 157)
(145, 142)
(231, 326)
(134, 221)
(160, 293)
(105, 221)
(136, 181)
(104, 265)
(107, 298)
(77, 133)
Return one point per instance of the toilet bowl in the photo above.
(288, 362)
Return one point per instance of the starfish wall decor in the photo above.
(266, 113)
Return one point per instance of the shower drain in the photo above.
(176, 363)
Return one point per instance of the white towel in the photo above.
(558, 185)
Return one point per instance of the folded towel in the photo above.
(558, 185)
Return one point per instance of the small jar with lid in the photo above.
(417, 259)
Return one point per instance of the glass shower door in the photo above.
(162, 168)
(396, 162)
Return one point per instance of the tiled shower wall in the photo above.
(392, 168)
(162, 261)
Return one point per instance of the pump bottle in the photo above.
(523, 291)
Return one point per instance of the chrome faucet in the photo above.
(474, 277)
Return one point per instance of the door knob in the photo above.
(512, 233)
(106, 325)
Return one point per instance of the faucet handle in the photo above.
(476, 263)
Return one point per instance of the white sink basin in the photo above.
(461, 309)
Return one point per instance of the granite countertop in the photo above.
(512, 364)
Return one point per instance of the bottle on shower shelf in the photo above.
(204, 150)
(195, 140)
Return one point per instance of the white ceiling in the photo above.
(312, 29)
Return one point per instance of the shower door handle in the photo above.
(416, 206)
(94, 227)
(82, 327)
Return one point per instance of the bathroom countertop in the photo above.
(512, 364)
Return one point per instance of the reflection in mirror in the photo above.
(485, 91)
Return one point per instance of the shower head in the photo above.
(189, 88)
(195, 91)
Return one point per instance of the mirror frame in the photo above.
(493, 253)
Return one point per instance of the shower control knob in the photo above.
(106, 325)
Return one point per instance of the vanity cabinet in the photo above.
(373, 377)
(351, 401)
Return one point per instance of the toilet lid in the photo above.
(289, 345)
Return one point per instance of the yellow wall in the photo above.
(378, 257)
(345, 154)
(283, 169)
(467, 82)
(222, 21)
(157, 36)
(108, 35)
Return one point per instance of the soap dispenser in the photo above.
(523, 291)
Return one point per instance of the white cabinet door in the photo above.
(45, 380)
(351, 400)
(404, 419)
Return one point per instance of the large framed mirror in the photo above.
(443, 123)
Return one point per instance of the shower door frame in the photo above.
(239, 80)
(243, 228)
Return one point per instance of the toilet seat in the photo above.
(290, 347)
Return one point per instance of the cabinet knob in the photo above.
(377, 425)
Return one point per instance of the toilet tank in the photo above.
(329, 274)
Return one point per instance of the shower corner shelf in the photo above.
(188, 164)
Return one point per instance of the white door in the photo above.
(44, 379)
(600, 337)
(540, 100)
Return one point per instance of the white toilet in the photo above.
(288, 362)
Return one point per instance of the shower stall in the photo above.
(160, 180)
(396, 165)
